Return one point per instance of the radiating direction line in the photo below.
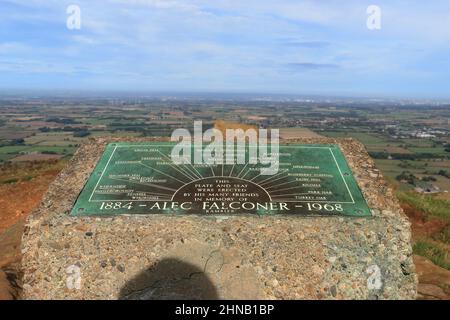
(279, 185)
(296, 187)
(145, 184)
(239, 174)
(264, 181)
(283, 177)
(111, 193)
(256, 176)
(248, 171)
(154, 193)
(232, 168)
(167, 175)
(223, 157)
(198, 172)
(191, 172)
(212, 170)
(290, 194)
(179, 169)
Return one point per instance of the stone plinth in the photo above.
(217, 257)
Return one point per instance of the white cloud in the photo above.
(226, 42)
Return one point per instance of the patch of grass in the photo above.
(443, 235)
(438, 255)
(430, 206)
(14, 172)
(10, 181)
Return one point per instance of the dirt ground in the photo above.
(17, 201)
(422, 227)
(434, 281)
(36, 157)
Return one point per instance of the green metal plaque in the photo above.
(141, 178)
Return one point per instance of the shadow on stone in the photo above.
(170, 279)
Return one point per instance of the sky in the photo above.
(285, 46)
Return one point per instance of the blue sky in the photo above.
(301, 47)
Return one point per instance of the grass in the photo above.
(58, 139)
(8, 152)
(435, 247)
(4, 157)
(430, 206)
(14, 172)
(13, 149)
(437, 254)
(443, 236)
(424, 143)
(10, 181)
(366, 138)
(434, 150)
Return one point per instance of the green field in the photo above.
(436, 246)
(392, 168)
(55, 139)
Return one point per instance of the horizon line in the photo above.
(213, 94)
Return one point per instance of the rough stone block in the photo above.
(218, 257)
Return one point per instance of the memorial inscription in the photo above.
(140, 178)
